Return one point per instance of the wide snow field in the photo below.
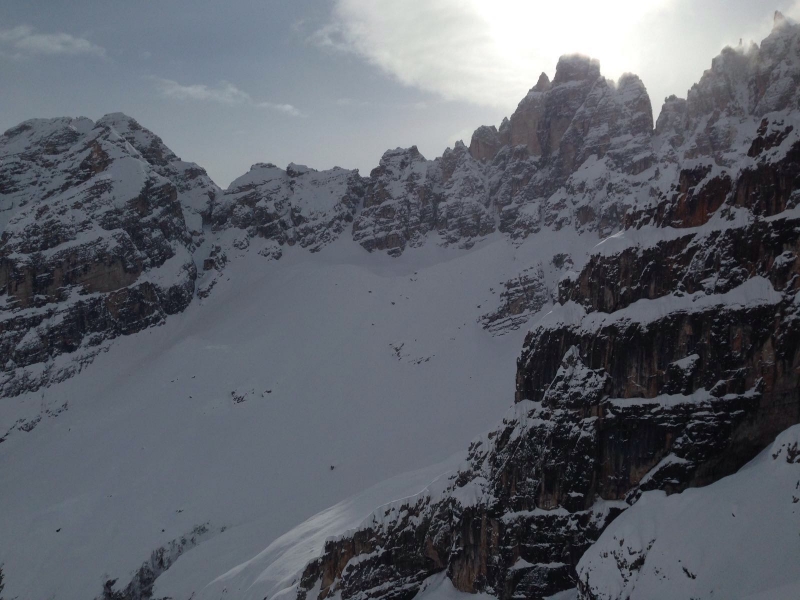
(375, 366)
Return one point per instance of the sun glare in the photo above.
(529, 32)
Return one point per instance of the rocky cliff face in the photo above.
(296, 206)
(671, 358)
(197, 193)
(690, 545)
(94, 242)
(575, 152)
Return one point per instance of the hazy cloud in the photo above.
(24, 41)
(224, 93)
(484, 51)
(353, 102)
(284, 108)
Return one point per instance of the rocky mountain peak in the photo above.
(400, 158)
(197, 192)
(145, 141)
(671, 117)
(576, 67)
(485, 143)
(298, 205)
(743, 85)
(94, 244)
(295, 170)
(542, 84)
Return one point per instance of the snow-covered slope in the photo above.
(232, 413)
(737, 538)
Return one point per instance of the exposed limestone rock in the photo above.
(525, 295)
(196, 192)
(296, 206)
(485, 143)
(94, 245)
(400, 204)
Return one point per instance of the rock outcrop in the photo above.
(670, 360)
(573, 153)
(94, 243)
(399, 208)
(296, 206)
(524, 295)
(409, 198)
(197, 193)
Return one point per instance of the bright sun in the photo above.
(533, 31)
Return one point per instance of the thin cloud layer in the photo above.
(224, 93)
(23, 41)
(484, 51)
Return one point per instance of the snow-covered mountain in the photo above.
(321, 331)
(95, 242)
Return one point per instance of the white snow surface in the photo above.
(754, 292)
(274, 571)
(738, 538)
(232, 413)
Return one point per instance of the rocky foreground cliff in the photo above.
(669, 361)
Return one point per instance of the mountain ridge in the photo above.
(579, 151)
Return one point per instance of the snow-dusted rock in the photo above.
(463, 213)
(572, 153)
(526, 294)
(410, 198)
(743, 86)
(94, 245)
(197, 193)
(400, 204)
(577, 151)
(293, 206)
(485, 143)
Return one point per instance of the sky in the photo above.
(337, 82)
